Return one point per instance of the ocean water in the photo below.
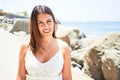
(94, 28)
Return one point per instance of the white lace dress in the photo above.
(49, 70)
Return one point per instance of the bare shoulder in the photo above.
(24, 45)
(64, 46)
(62, 43)
(23, 49)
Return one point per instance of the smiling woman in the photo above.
(44, 57)
(44, 25)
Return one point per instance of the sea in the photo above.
(94, 28)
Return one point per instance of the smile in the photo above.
(46, 31)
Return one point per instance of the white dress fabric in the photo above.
(50, 70)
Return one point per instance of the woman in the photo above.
(44, 57)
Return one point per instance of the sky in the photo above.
(69, 10)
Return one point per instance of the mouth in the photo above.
(46, 31)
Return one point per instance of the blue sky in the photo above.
(70, 10)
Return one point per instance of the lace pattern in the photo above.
(49, 70)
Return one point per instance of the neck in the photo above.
(45, 42)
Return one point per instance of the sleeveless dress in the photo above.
(50, 70)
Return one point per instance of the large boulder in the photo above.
(67, 33)
(102, 59)
(111, 65)
(21, 25)
(81, 43)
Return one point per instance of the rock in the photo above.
(93, 64)
(74, 64)
(67, 33)
(74, 44)
(21, 25)
(78, 74)
(82, 35)
(110, 65)
(78, 56)
(103, 58)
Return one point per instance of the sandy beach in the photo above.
(9, 50)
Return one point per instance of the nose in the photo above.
(46, 25)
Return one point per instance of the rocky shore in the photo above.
(96, 58)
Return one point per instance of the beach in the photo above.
(93, 36)
(12, 37)
(8, 56)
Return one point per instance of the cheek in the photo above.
(53, 26)
(40, 29)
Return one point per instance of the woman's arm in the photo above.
(67, 63)
(21, 75)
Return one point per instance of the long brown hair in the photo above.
(34, 31)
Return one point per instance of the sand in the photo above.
(9, 51)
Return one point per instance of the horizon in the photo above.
(74, 10)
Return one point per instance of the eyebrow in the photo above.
(46, 20)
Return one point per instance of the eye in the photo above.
(49, 21)
(40, 23)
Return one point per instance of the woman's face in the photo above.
(45, 24)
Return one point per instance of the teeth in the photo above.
(46, 30)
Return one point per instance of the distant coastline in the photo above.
(97, 28)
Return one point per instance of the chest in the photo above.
(45, 55)
(34, 66)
